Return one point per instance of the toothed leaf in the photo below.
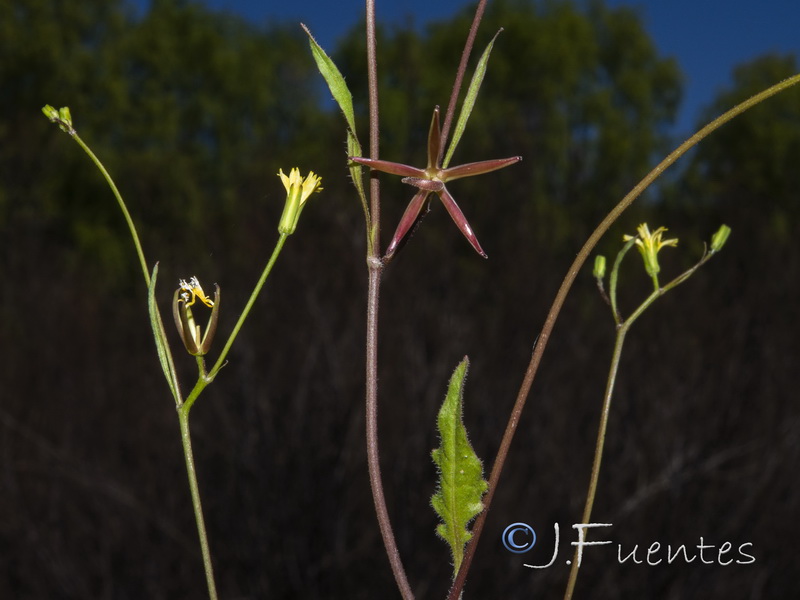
(461, 484)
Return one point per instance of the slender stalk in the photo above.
(375, 267)
(186, 440)
(122, 206)
(203, 380)
(374, 134)
(598, 451)
(245, 312)
(622, 330)
(204, 377)
(462, 69)
(612, 282)
(373, 457)
(558, 302)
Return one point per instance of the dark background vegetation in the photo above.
(193, 113)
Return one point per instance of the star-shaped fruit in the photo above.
(431, 180)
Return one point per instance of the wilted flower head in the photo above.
(193, 338)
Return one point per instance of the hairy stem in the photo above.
(375, 267)
(558, 302)
(373, 457)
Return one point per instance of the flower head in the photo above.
(62, 117)
(191, 334)
(298, 190)
(650, 244)
(431, 180)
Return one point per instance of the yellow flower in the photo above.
(650, 244)
(298, 190)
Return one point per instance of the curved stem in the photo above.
(558, 302)
(373, 457)
(614, 278)
(186, 441)
(122, 206)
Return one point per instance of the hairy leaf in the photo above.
(461, 484)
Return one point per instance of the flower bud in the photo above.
(719, 238)
(599, 266)
(50, 112)
(62, 117)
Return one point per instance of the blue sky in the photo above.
(707, 37)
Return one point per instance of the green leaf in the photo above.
(469, 100)
(162, 347)
(356, 174)
(341, 93)
(335, 80)
(461, 484)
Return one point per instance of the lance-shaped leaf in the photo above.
(162, 347)
(469, 100)
(344, 98)
(461, 484)
(335, 80)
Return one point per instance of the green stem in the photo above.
(186, 440)
(203, 380)
(614, 279)
(622, 330)
(598, 452)
(654, 279)
(122, 206)
(245, 312)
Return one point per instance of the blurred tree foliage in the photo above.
(193, 112)
(749, 168)
(198, 101)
